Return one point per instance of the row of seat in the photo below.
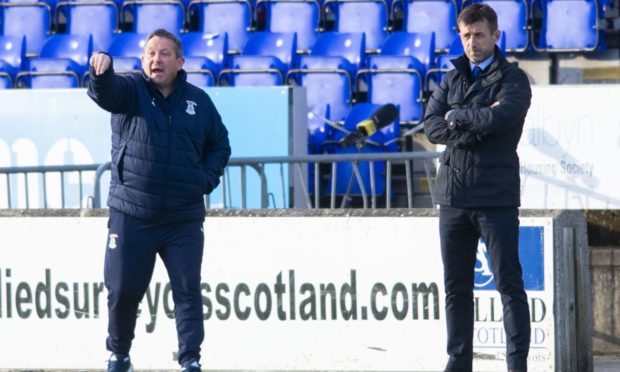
(567, 25)
(62, 63)
(333, 72)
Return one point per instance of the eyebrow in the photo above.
(472, 33)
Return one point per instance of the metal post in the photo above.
(409, 183)
(317, 192)
(27, 190)
(243, 188)
(388, 184)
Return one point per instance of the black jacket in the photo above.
(480, 165)
(166, 152)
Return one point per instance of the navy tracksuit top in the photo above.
(167, 152)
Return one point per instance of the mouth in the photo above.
(157, 71)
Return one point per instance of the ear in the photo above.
(497, 35)
(180, 62)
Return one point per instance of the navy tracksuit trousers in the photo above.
(460, 230)
(132, 248)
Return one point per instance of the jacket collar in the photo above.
(462, 65)
(491, 75)
(179, 82)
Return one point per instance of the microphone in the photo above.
(380, 118)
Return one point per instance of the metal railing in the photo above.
(22, 184)
(34, 181)
(298, 172)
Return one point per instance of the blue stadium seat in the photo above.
(418, 45)
(97, 18)
(200, 71)
(149, 15)
(368, 16)
(329, 71)
(126, 50)
(30, 19)
(5, 79)
(205, 55)
(512, 18)
(397, 75)
(384, 140)
(63, 61)
(318, 132)
(233, 17)
(318, 129)
(569, 26)
(437, 16)
(12, 59)
(264, 61)
(301, 16)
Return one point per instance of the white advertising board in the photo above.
(569, 148)
(279, 293)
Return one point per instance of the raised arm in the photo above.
(113, 93)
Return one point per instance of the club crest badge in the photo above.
(112, 241)
(191, 107)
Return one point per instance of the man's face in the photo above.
(160, 62)
(478, 40)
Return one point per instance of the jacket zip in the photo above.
(167, 172)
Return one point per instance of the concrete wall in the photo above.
(604, 241)
(606, 300)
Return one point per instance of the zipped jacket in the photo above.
(167, 152)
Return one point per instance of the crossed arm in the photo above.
(465, 127)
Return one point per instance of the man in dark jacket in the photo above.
(169, 148)
(478, 112)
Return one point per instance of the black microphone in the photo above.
(381, 117)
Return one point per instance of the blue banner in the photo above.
(531, 255)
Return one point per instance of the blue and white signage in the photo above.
(531, 255)
(536, 256)
(340, 293)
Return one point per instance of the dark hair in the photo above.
(160, 32)
(478, 12)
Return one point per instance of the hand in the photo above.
(100, 62)
(450, 119)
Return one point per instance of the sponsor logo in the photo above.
(531, 256)
(483, 272)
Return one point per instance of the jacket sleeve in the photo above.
(112, 92)
(436, 127)
(514, 100)
(216, 151)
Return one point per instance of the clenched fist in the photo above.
(100, 62)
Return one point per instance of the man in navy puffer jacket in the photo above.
(169, 148)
